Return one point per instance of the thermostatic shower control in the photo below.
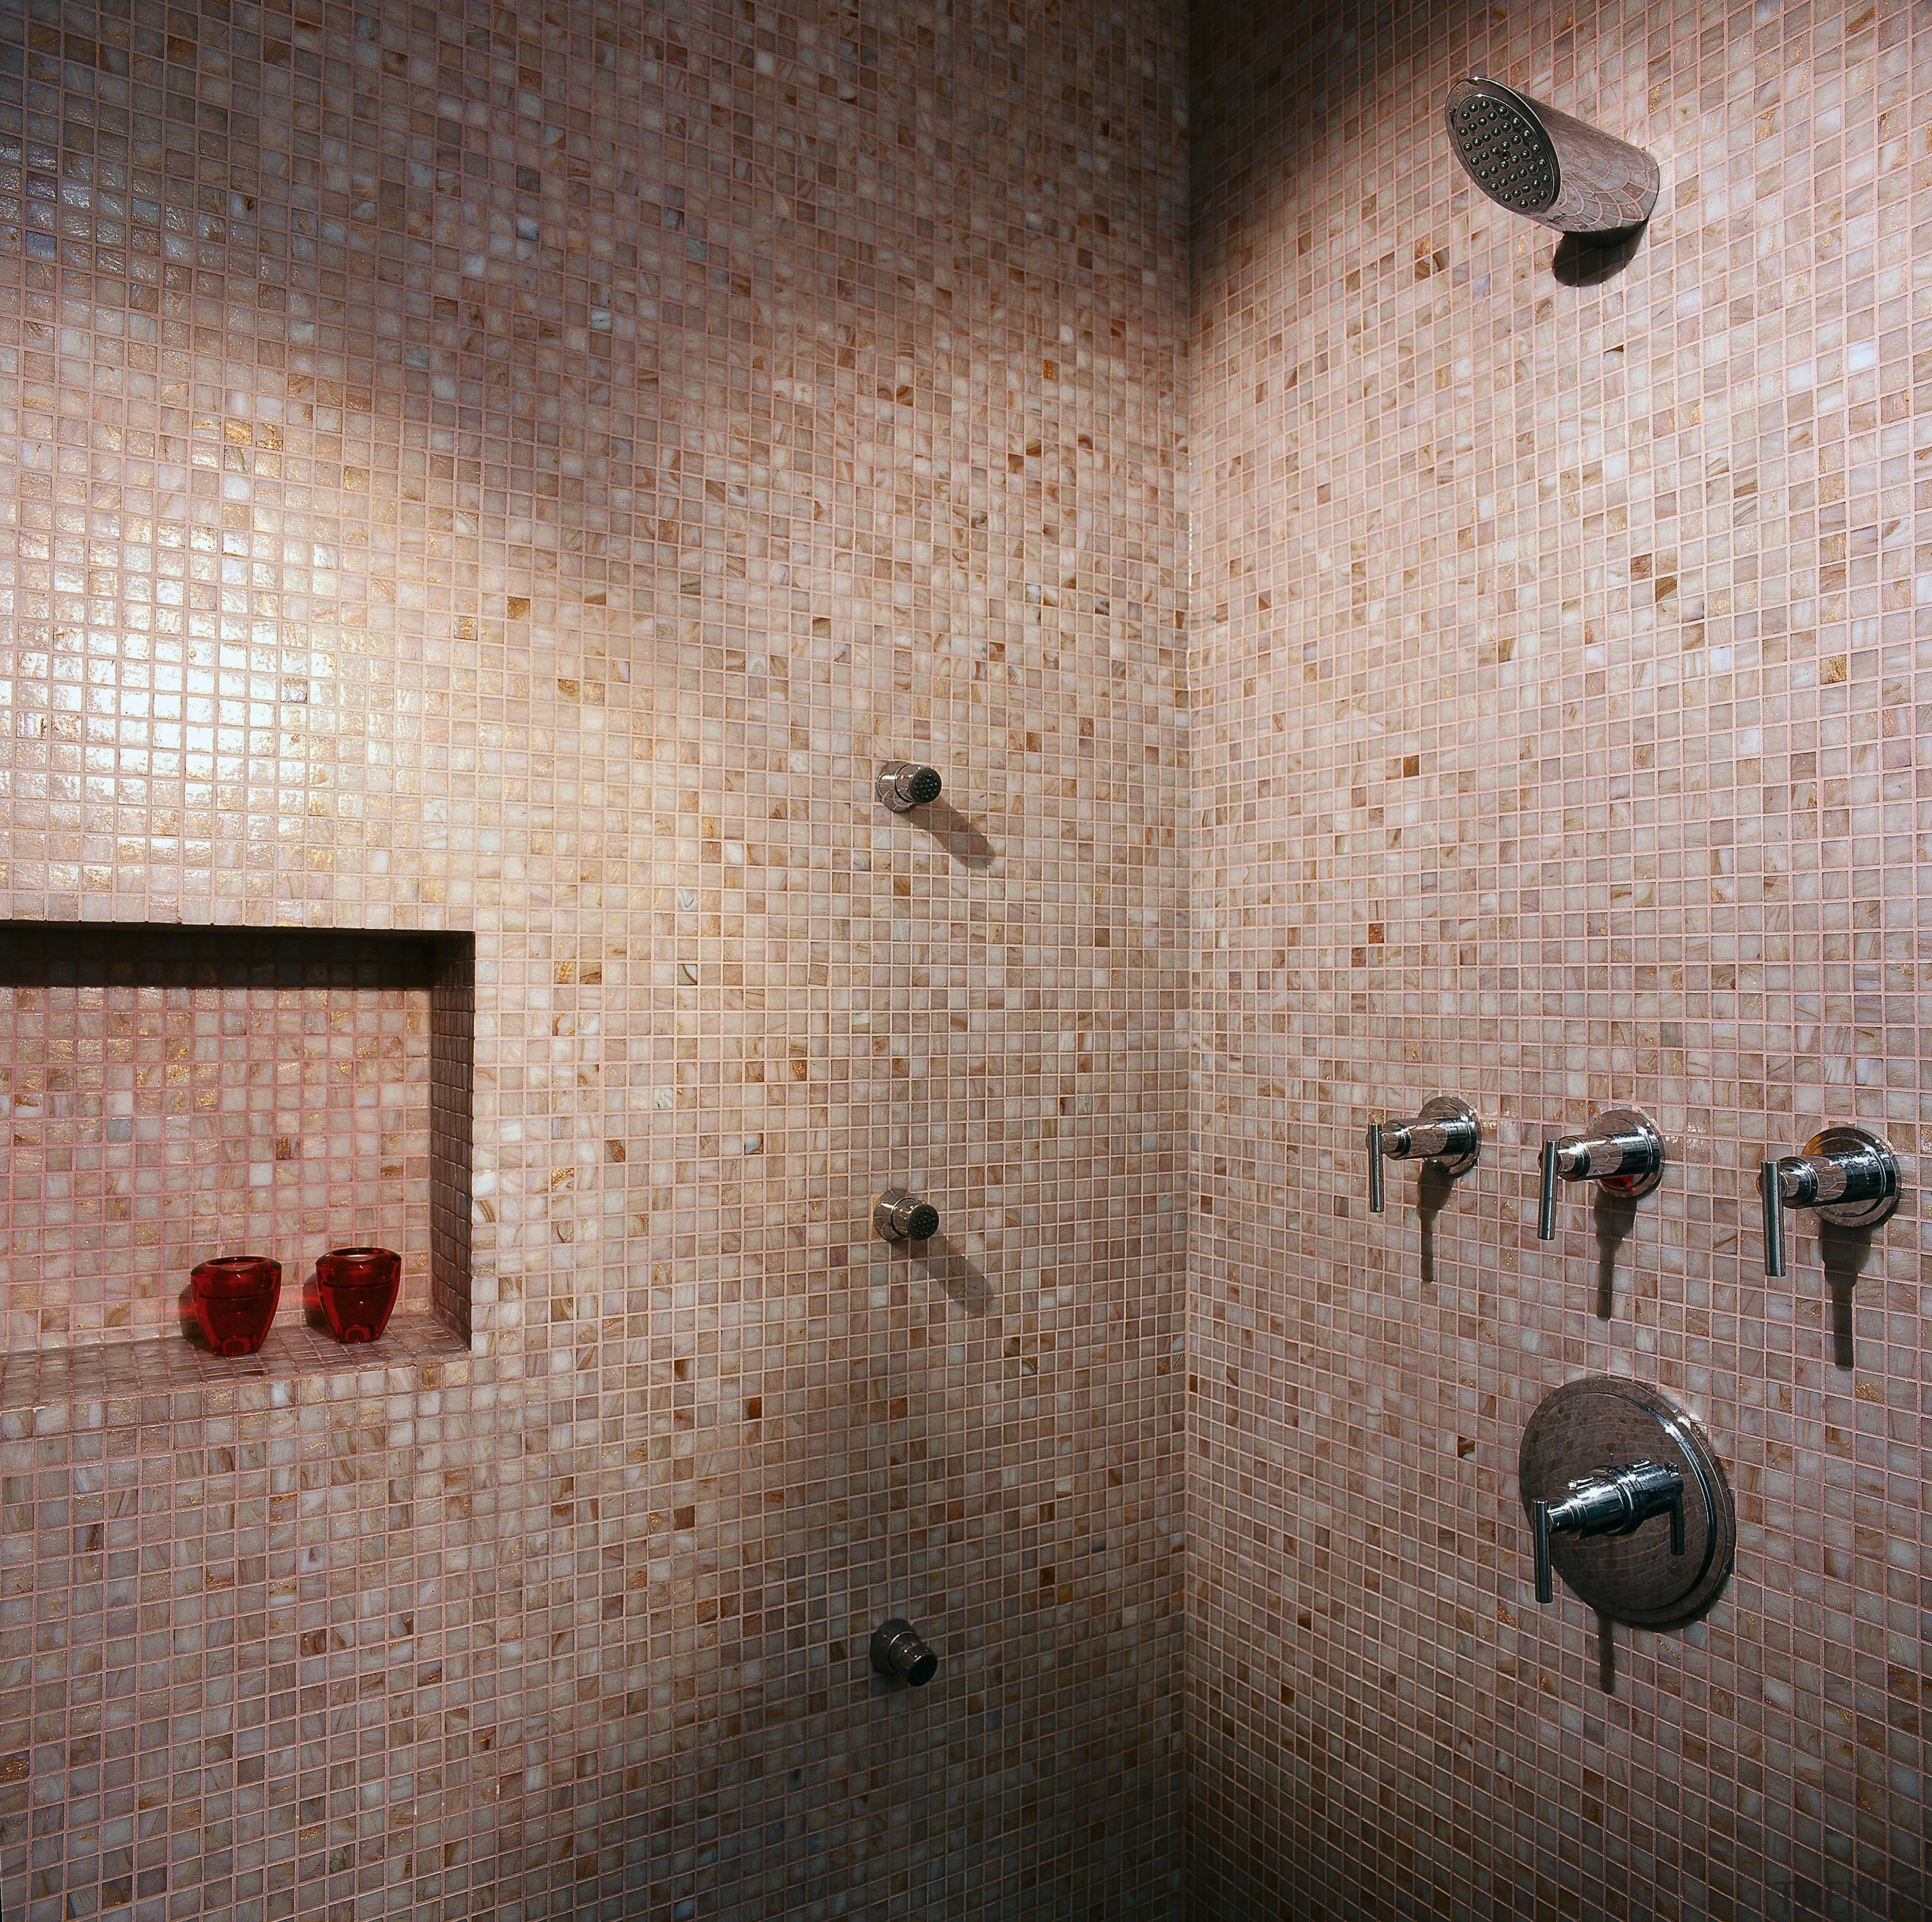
(1851, 1177)
(899, 1216)
(1622, 1150)
(1627, 1502)
(1445, 1133)
(903, 785)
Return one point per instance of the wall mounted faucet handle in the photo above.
(1622, 1149)
(1610, 1502)
(1446, 1132)
(1851, 1178)
(1768, 1188)
(907, 784)
(1546, 1192)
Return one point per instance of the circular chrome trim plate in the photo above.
(1605, 1421)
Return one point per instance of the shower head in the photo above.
(1533, 160)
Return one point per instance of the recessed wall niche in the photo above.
(174, 1092)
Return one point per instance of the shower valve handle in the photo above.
(1446, 1132)
(1546, 1191)
(1770, 1183)
(1622, 1150)
(1851, 1178)
(1611, 1502)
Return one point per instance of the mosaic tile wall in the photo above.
(1560, 644)
(463, 467)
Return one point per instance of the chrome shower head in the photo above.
(1533, 160)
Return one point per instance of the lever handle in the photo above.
(1622, 1150)
(1774, 1199)
(1610, 1501)
(1848, 1176)
(1446, 1134)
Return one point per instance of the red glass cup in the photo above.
(234, 1301)
(357, 1287)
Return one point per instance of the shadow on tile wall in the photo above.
(1555, 671)
(519, 470)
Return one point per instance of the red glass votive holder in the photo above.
(357, 1287)
(234, 1301)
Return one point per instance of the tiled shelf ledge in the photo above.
(115, 1385)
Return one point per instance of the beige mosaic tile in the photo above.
(1556, 741)
(521, 470)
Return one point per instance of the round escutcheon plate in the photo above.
(1603, 1422)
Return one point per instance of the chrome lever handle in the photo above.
(1445, 1133)
(1773, 1200)
(1622, 1153)
(1848, 1176)
(1611, 1502)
